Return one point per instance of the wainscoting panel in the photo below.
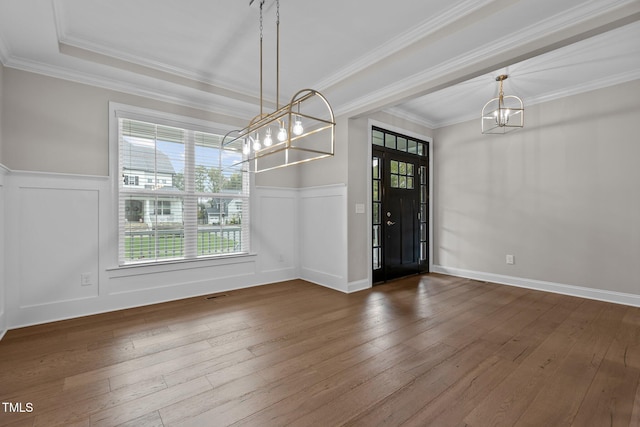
(58, 245)
(62, 231)
(323, 236)
(275, 231)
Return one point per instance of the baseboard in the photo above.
(359, 285)
(539, 285)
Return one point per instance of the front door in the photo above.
(399, 214)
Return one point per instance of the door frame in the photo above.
(370, 125)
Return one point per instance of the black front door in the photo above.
(398, 219)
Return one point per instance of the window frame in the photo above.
(119, 111)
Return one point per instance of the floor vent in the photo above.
(216, 296)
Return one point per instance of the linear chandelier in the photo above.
(502, 114)
(300, 131)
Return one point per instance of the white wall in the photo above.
(62, 226)
(3, 283)
(323, 236)
(561, 195)
(59, 210)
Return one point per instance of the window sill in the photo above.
(181, 264)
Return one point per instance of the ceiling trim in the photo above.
(404, 40)
(476, 62)
(413, 118)
(219, 106)
(603, 83)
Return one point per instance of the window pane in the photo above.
(163, 216)
(390, 141)
(376, 235)
(378, 137)
(410, 183)
(403, 182)
(376, 191)
(402, 144)
(412, 147)
(376, 258)
(402, 168)
(154, 229)
(394, 181)
(376, 213)
(219, 225)
(376, 168)
(394, 166)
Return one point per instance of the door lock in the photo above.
(390, 223)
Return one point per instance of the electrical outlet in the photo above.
(511, 259)
(85, 279)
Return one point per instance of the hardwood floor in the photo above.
(423, 351)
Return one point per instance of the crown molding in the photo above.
(216, 104)
(411, 117)
(513, 42)
(403, 40)
(591, 86)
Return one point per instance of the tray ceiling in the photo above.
(432, 61)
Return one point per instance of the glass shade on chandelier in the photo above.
(304, 129)
(502, 114)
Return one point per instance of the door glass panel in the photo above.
(402, 144)
(399, 204)
(390, 141)
(378, 138)
(412, 147)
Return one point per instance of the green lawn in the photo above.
(171, 245)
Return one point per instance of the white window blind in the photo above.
(179, 198)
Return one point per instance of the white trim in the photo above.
(603, 83)
(512, 42)
(117, 111)
(370, 124)
(358, 285)
(540, 285)
(338, 278)
(404, 40)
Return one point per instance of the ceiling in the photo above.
(431, 61)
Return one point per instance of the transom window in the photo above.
(181, 195)
(387, 139)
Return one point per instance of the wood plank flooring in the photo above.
(428, 350)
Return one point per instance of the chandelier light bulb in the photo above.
(245, 147)
(256, 142)
(297, 127)
(267, 138)
(282, 134)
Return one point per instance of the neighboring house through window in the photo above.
(181, 195)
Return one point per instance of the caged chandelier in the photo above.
(504, 113)
(300, 131)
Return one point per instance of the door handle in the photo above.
(390, 223)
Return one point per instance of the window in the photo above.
(181, 195)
